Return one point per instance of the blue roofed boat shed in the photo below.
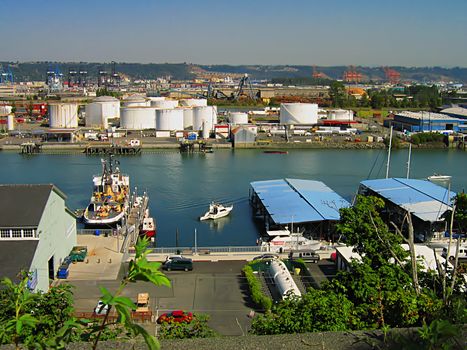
(424, 200)
(310, 205)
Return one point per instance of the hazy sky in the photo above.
(306, 32)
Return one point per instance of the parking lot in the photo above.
(216, 289)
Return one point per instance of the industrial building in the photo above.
(37, 232)
(424, 200)
(305, 204)
(427, 122)
(244, 135)
(455, 112)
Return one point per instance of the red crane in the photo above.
(392, 75)
(351, 75)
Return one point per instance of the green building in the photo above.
(37, 232)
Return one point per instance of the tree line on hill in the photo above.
(36, 71)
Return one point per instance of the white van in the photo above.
(452, 252)
(305, 255)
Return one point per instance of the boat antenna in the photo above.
(408, 160)
(389, 153)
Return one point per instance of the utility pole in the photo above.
(196, 243)
(389, 153)
(408, 161)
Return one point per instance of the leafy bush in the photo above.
(315, 311)
(197, 328)
(256, 292)
(426, 137)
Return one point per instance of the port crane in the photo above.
(244, 88)
(6, 76)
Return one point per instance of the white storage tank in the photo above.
(193, 102)
(136, 101)
(238, 118)
(298, 113)
(138, 118)
(164, 104)
(156, 98)
(187, 117)
(101, 110)
(63, 115)
(10, 122)
(340, 114)
(169, 119)
(5, 110)
(204, 116)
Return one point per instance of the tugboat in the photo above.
(110, 196)
(216, 211)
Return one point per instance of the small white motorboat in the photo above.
(216, 211)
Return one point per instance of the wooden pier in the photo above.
(31, 148)
(112, 149)
(133, 220)
(195, 147)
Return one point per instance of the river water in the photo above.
(181, 186)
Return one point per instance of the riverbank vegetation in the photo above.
(386, 288)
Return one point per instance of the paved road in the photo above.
(216, 289)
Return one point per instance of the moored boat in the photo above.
(110, 196)
(284, 241)
(148, 228)
(216, 211)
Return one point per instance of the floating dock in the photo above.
(112, 149)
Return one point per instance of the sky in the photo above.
(268, 32)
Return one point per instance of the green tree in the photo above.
(315, 311)
(338, 94)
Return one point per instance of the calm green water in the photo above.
(181, 186)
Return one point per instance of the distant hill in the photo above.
(28, 71)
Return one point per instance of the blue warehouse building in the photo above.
(427, 122)
(304, 204)
(425, 201)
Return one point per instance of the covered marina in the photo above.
(302, 205)
(426, 201)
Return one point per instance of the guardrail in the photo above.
(97, 231)
(206, 250)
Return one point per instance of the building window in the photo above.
(28, 233)
(5, 234)
(16, 233)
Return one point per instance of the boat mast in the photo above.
(408, 160)
(389, 153)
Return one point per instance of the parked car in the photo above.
(101, 308)
(178, 316)
(183, 264)
(266, 257)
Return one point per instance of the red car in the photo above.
(178, 316)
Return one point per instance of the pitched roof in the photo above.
(295, 200)
(12, 264)
(422, 198)
(23, 205)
